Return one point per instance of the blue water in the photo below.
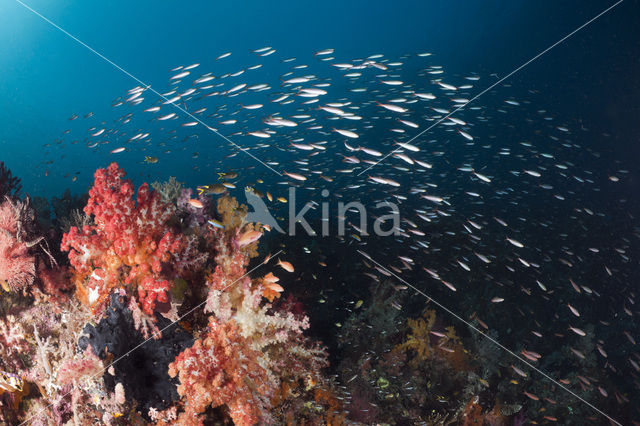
(46, 76)
(587, 83)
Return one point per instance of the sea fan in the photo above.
(17, 266)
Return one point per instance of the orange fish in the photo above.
(275, 287)
(286, 266)
(270, 278)
(196, 203)
(248, 238)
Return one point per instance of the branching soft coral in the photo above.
(231, 212)
(277, 334)
(455, 354)
(472, 414)
(72, 370)
(195, 216)
(55, 331)
(447, 346)
(268, 344)
(169, 190)
(419, 340)
(35, 346)
(274, 337)
(221, 369)
(130, 242)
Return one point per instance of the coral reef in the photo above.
(409, 372)
(142, 372)
(275, 349)
(165, 325)
(158, 310)
(423, 342)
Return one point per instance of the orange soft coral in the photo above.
(419, 340)
(424, 343)
(221, 369)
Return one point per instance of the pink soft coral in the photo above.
(89, 366)
(129, 243)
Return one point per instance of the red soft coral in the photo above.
(55, 281)
(221, 369)
(130, 242)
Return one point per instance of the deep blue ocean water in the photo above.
(47, 76)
